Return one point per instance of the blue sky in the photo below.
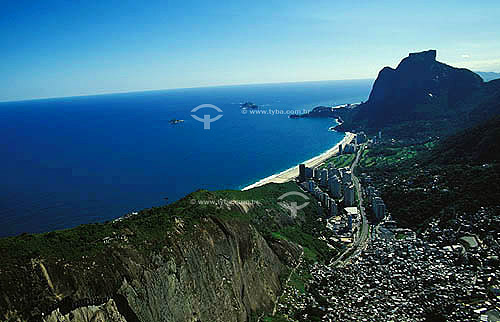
(64, 48)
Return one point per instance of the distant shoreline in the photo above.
(293, 172)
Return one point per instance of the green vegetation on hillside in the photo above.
(102, 247)
(386, 156)
(304, 231)
(457, 174)
(277, 318)
(474, 145)
(149, 226)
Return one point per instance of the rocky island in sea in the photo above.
(175, 121)
(249, 105)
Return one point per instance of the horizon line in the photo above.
(174, 88)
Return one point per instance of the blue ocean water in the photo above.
(70, 161)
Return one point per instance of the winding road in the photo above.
(364, 228)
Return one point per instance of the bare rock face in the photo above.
(107, 312)
(419, 88)
(419, 75)
(221, 270)
(224, 275)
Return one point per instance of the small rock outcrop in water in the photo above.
(175, 121)
(249, 105)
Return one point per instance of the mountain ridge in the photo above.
(198, 259)
(421, 97)
(420, 87)
(488, 76)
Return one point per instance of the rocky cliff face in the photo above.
(421, 97)
(218, 270)
(419, 88)
(107, 312)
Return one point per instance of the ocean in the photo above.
(76, 160)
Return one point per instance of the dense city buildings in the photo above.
(404, 276)
(448, 271)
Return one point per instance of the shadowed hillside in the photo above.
(423, 97)
(211, 256)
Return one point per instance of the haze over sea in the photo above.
(70, 161)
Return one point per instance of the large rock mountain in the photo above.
(419, 88)
(421, 97)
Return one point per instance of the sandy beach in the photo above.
(293, 172)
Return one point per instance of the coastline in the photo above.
(293, 172)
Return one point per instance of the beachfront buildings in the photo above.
(305, 173)
(330, 187)
(302, 172)
(360, 138)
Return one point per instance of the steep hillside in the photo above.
(476, 145)
(212, 256)
(460, 173)
(487, 103)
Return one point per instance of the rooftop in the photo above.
(351, 211)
